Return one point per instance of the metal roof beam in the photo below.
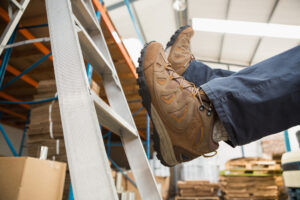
(260, 39)
(223, 35)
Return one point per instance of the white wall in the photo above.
(292, 136)
(15, 136)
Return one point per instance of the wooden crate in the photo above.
(197, 188)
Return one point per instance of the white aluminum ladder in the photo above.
(76, 35)
(10, 27)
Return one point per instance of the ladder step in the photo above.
(110, 119)
(91, 52)
(83, 14)
(16, 4)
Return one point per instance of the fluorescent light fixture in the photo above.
(246, 28)
(179, 5)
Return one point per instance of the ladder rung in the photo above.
(82, 13)
(109, 118)
(91, 52)
(16, 4)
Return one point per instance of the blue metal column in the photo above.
(139, 34)
(11, 147)
(71, 197)
(287, 141)
(108, 144)
(137, 29)
(6, 58)
(24, 134)
(148, 136)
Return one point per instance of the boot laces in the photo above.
(183, 84)
(194, 91)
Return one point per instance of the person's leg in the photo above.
(260, 100)
(199, 73)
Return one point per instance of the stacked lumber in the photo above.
(197, 189)
(251, 179)
(248, 187)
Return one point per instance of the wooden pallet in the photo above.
(256, 164)
(197, 188)
(196, 198)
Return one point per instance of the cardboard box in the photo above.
(26, 178)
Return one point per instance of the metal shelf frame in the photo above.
(48, 55)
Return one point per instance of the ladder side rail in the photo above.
(90, 8)
(111, 82)
(141, 170)
(10, 27)
(88, 163)
(133, 146)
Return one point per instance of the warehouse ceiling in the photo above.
(157, 18)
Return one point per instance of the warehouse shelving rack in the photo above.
(147, 184)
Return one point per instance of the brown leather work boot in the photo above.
(178, 49)
(182, 115)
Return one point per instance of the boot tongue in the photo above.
(204, 97)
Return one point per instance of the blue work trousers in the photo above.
(257, 101)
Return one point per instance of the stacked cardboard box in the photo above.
(31, 178)
(196, 189)
(45, 128)
(251, 179)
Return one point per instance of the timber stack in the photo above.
(251, 179)
(197, 189)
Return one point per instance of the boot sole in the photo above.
(175, 35)
(162, 142)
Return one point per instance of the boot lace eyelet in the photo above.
(201, 108)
